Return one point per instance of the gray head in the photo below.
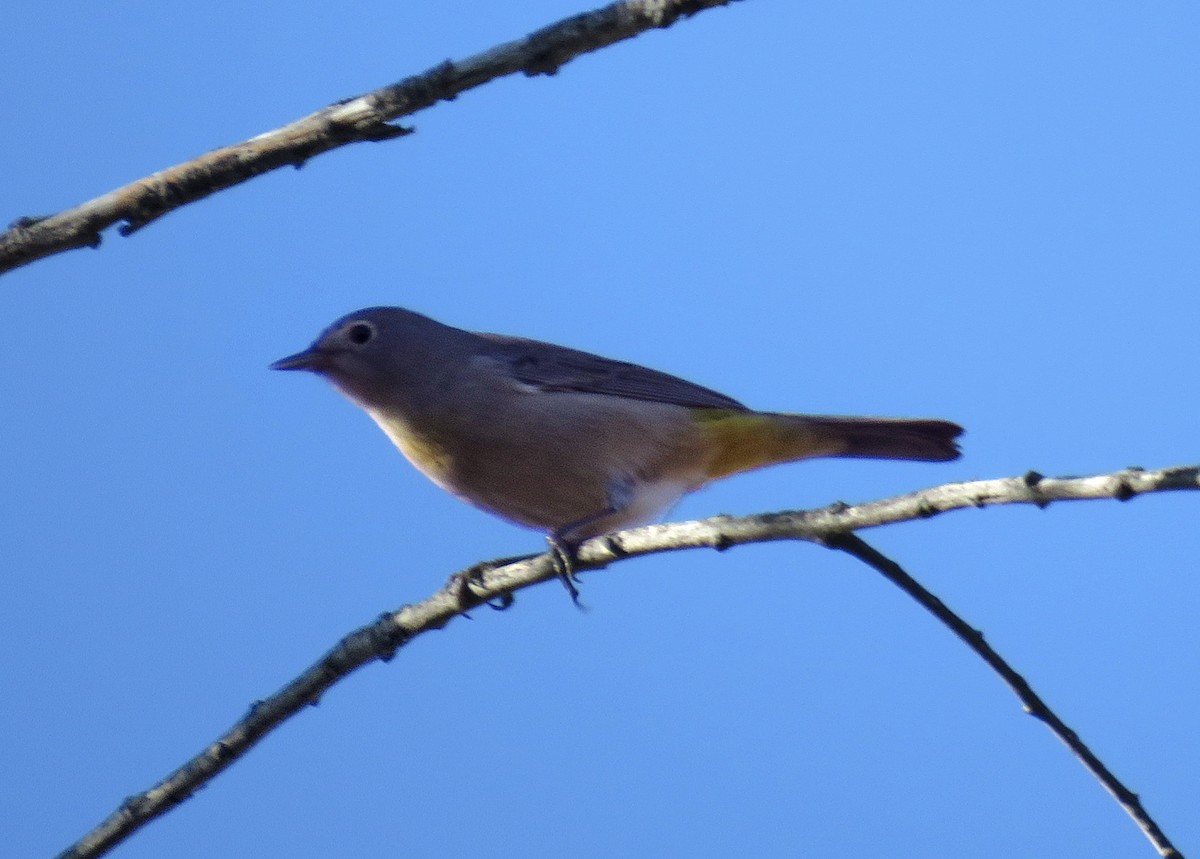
(371, 353)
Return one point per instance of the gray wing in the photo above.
(557, 368)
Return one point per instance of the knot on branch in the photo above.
(26, 221)
(388, 636)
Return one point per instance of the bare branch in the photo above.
(363, 118)
(1034, 705)
(498, 580)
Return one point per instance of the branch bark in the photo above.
(366, 117)
(831, 526)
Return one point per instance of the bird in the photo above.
(567, 442)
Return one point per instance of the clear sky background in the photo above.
(984, 212)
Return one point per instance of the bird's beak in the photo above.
(310, 359)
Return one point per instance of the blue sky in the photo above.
(982, 212)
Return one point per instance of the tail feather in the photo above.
(748, 440)
(928, 439)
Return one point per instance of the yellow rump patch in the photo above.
(742, 441)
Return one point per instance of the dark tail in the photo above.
(888, 438)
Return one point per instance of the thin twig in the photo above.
(1034, 705)
(367, 117)
(496, 582)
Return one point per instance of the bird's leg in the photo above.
(564, 541)
(564, 562)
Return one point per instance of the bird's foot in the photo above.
(562, 553)
(464, 595)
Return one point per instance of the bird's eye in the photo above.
(360, 333)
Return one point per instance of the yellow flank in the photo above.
(423, 451)
(745, 440)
